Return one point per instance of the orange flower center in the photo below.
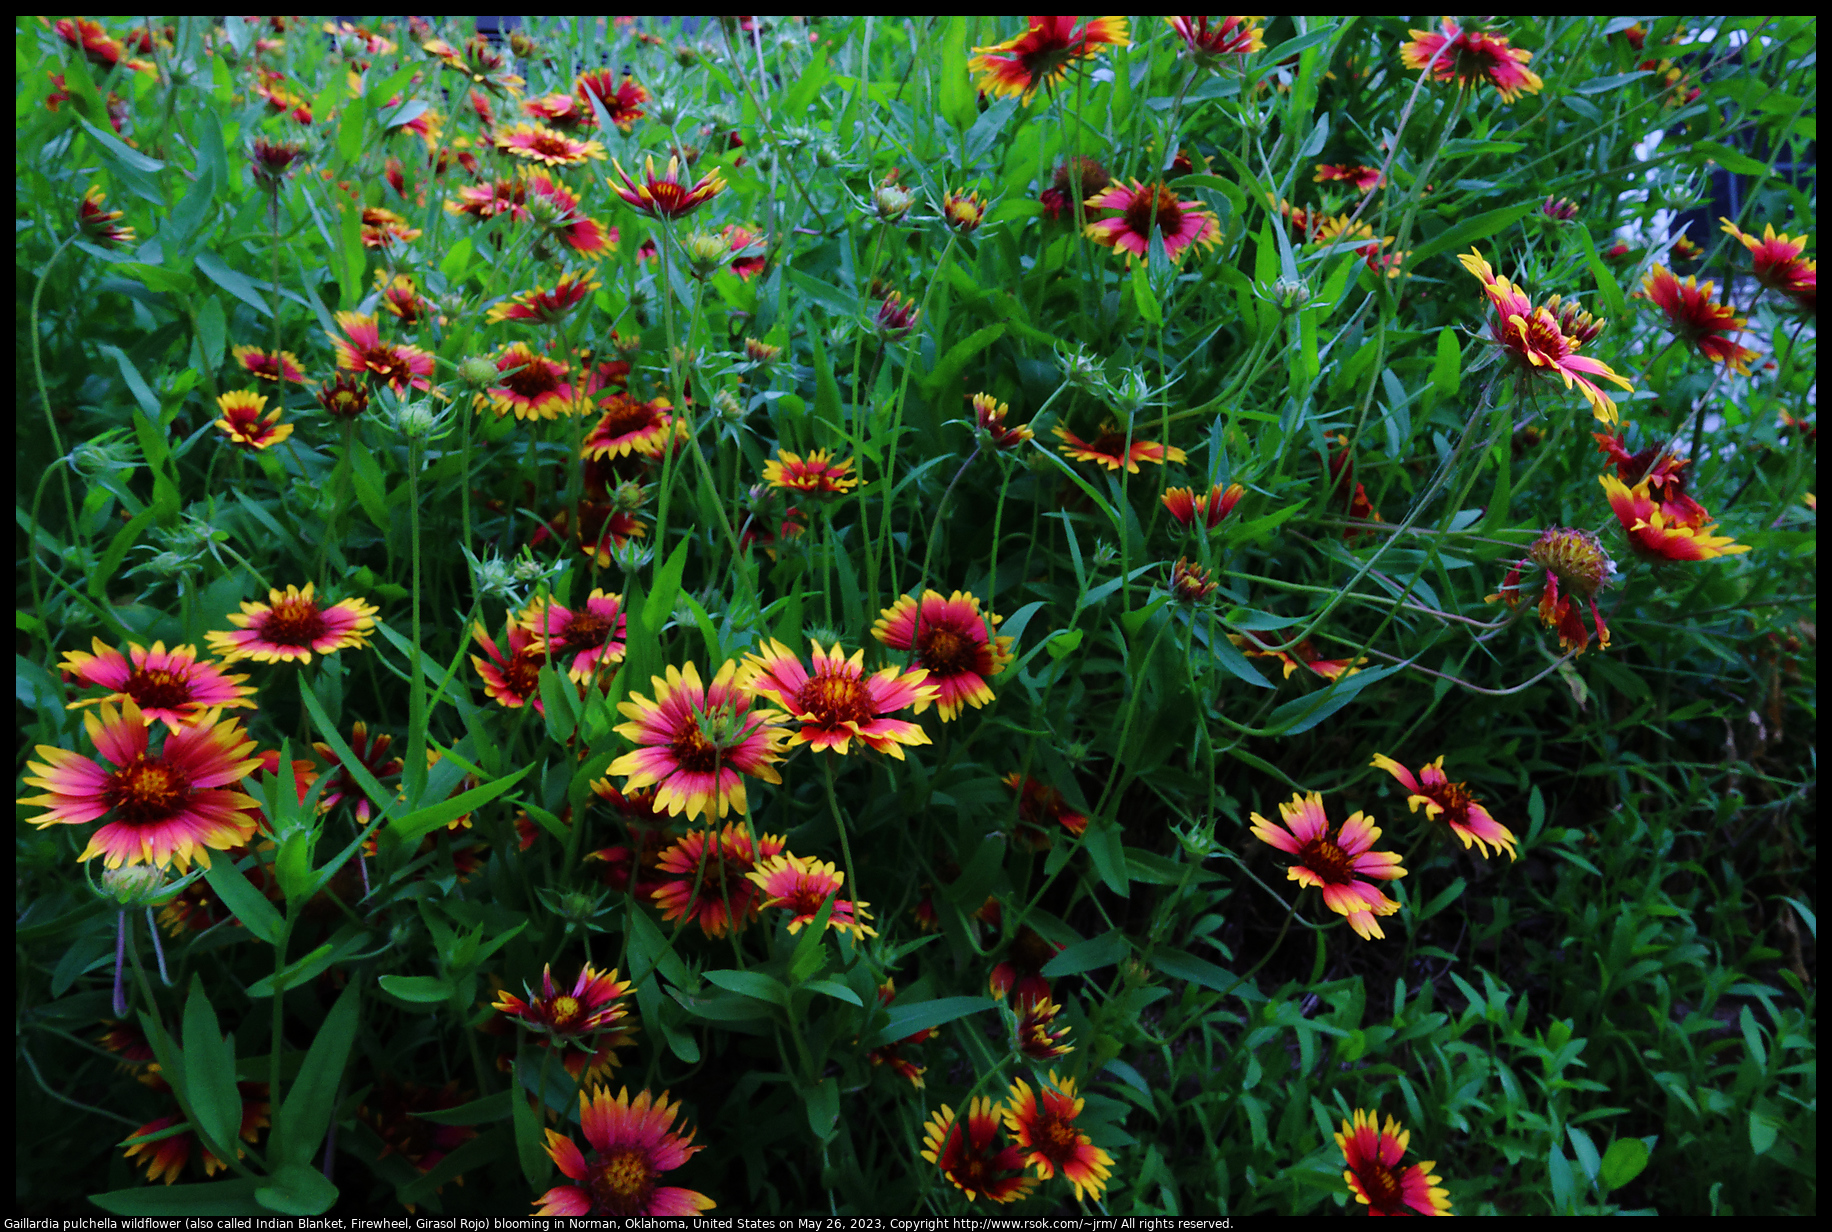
(1381, 1186)
(553, 147)
(1058, 1137)
(536, 378)
(146, 790)
(293, 622)
(945, 651)
(1155, 204)
(523, 675)
(564, 1012)
(835, 699)
(1328, 861)
(624, 415)
(156, 688)
(623, 1183)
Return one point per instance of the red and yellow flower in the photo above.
(1778, 262)
(749, 255)
(1190, 582)
(166, 808)
(1469, 57)
(550, 148)
(1365, 179)
(101, 225)
(1692, 314)
(696, 741)
(1664, 473)
(1374, 1175)
(969, 1160)
(383, 228)
(1293, 657)
(269, 365)
(1575, 568)
(1041, 810)
(1145, 210)
(1036, 1035)
(1209, 508)
(1042, 55)
(1075, 179)
(592, 636)
(293, 625)
(703, 877)
(589, 1022)
(1452, 804)
(533, 387)
(1042, 1122)
(622, 101)
(837, 702)
(1231, 36)
(392, 1111)
(891, 1054)
(1656, 534)
(1546, 338)
(802, 886)
(374, 758)
(171, 687)
(402, 298)
(665, 197)
(632, 1143)
(630, 427)
(244, 425)
(516, 680)
(964, 211)
(1335, 861)
(989, 417)
(99, 47)
(816, 475)
(1111, 449)
(953, 644)
(167, 1157)
(362, 350)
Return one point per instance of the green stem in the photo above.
(44, 396)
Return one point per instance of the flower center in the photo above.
(1155, 204)
(156, 688)
(524, 674)
(834, 700)
(944, 651)
(537, 377)
(1328, 861)
(1545, 337)
(146, 790)
(693, 752)
(1381, 1185)
(293, 622)
(587, 630)
(563, 1012)
(623, 1183)
(624, 415)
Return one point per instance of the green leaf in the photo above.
(294, 973)
(1734, 161)
(1763, 1133)
(536, 1165)
(1470, 230)
(212, 331)
(751, 984)
(1142, 295)
(421, 822)
(1611, 290)
(907, 1020)
(659, 606)
(232, 281)
(216, 1198)
(840, 303)
(1442, 899)
(297, 1189)
(1090, 955)
(949, 367)
(249, 904)
(457, 260)
(833, 988)
(477, 1112)
(420, 989)
(1615, 81)
(1623, 1162)
(136, 384)
(1181, 966)
(123, 152)
(366, 478)
(1109, 855)
(1303, 713)
(209, 1066)
(350, 250)
(823, 1104)
(124, 539)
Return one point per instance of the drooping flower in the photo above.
(1304, 654)
(173, 687)
(1692, 314)
(1075, 179)
(1335, 861)
(392, 1112)
(989, 417)
(667, 197)
(816, 475)
(101, 225)
(1042, 55)
(362, 350)
(550, 148)
(801, 886)
(383, 228)
(1663, 472)
(622, 101)
(292, 626)
(1653, 533)
(704, 878)
(1041, 810)
(1546, 338)
(1036, 1035)
(513, 681)
(343, 785)
(533, 387)
(1111, 449)
(1373, 1174)
(1209, 508)
(837, 702)
(243, 424)
(1575, 568)
(266, 366)
(892, 1054)
(952, 643)
(167, 1157)
(271, 161)
(1469, 57)
(1365, 179)
(1043, 1124)
(1232, 36)
(696, 741)
(629, 427)
(1778, 262)
(969, 1160)
(1452, 804)
(592, 635)
(544, 306)
(1147, 209)
(1022, 967)
(633, 1142)
(164, 809)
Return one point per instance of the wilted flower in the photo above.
(1575, 567)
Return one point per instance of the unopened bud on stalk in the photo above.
(891, 202)
(759, 352)
(1290, 294)
(706, 252)
(1130, 395)
(104, 456)
(729, 408)
(631, 555)
(823, 634)
(668, 111)
(134, 885)
(627, 497)
(825, 155)
(477, 374)
(543, 211)
(416, 420)
(1080, 371)
(1105, 554)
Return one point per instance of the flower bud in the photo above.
(706, 252)
(1081, 371)
(1290, 294)
(477, 373)
(891, 202)
(761, 352)
(134, 885)
(631, 555)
